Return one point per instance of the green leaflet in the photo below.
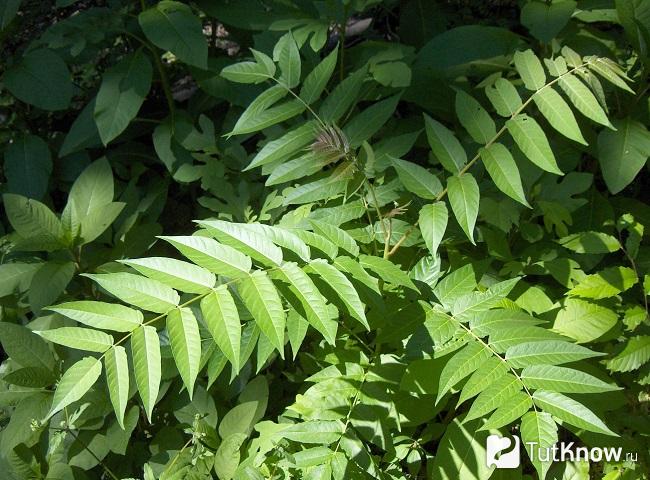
(363, 126)
(319, 431)
(530, 70)
(606, 283)
(464, 199)
(145, 350)
(79, 338)
(460, 366)
(342, 286)
(185, 341)
(180, 275)
(139, 291)
(433, 223)
(502, 168)
(74, 383)
(582, 98)
(285, 146)
(496, 394)
(314, 305)
(316, 81)
(387, 271)
(417, 179)
(172, 26)
(532, 141)
(249, 242)
(444, 145)
(512, 409)
(283, 238)
(343, 97)
(549, 352)
(570, 411)
(117, 379)
(635, 354)
(539, 428)
(474, 118)
(559, 114)
(34, 222)
(336, 235)
(491, 370)
(263, 302)
(504, 97)
(584, 321)
(590, 242)
(210, 254)
(25, 347)
(106, 316)
(563, 379)
(222, 318)
(287, 55)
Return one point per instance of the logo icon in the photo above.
(503, 452)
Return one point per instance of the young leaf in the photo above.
(139, 291)
(79, 338)
(172, 26)
(185, 342)
(117, 379)
(74, 383)
(180, 275)
(311, 300)
(444, 145)
(106, 316)
(222, 318)
(263, 302)
(530, 70)
(251, 243)
(464, 199)
(559, 114)
(531, 140)
(570, 411)
(342, 286)
(336, 235)
(316, 81)
(502, 168)
(145, 349)
(433, 223)
(417, 179)
(474, 118)
(210, 254)
(121, 94)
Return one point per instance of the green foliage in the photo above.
(322, 240)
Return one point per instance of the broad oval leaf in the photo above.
(172, 26)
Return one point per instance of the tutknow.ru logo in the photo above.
(505, 452)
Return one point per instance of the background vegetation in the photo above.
(322, 239)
